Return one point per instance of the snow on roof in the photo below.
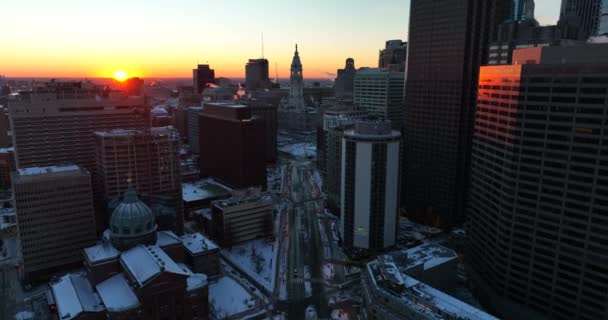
(49, 169)
(196, 243)
(167, 238)
(449, 304)
(24, 315)
(7, 150)
(204, 189)
(146, 262)
(116, 294)
(428, 255)
(101, 252)
(227, 297)
(74, 295)
(195, 280)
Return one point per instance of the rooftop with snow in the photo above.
(204, 189)
(196, 243)
(44, 170)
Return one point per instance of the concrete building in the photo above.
(345, 82)
(149, 161)
(134, 272)
(538, 196)
(248, 215)
(55, 217)
(54, 123)
(202, 76)
(329, 148)
(202, 254)
(393, 56)
(370, 186)
(256, 75)
(217, 94)
(194, 128)
(380, 93)
(389, 292)
(7, 166)
(439, 102)
(232, 144)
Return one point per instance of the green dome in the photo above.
(132, 219)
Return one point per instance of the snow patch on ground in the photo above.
(227, 298)
(257, 259)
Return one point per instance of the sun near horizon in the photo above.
(120, 75)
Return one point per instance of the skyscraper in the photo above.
(54, 123)
(202, 76)
(370, 184)
(447, 42)
(539, 189)
(256, 75)
(586, 12)
(523, 10)
(393, 56)
(380, 93)
(55, 215)
(602, 28)
(238, 158)
(345, 81)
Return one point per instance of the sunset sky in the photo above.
(162, 38)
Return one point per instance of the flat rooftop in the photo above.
(197, 243)
(428, 255)
(204, 189)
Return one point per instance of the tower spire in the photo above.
(296, 48)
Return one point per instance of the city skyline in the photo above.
(71, 39)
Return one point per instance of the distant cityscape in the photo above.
(465, 176)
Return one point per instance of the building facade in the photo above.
(380, 93)
(55, 217)
(439, 102)
(238, 157)
(585, 12)
(243, 217)
(393, 56)
(5, 128)
(194, 128)
(345, 82)
(539, 194)
(202, 76)
(54, 123)
(370, 186)
(7, 166)
(256, 75)
(602, 27)
(149, 161)
(268, 112)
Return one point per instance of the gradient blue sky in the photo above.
(167, 38)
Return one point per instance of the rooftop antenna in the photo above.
(276, 71)
(262, 45)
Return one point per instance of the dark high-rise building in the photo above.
(232, 145)
(256, 75)
(448, 40)
(370, 183)
(523, 10)
(345, 82)
(539, 185)
(201, 77)
(393, 56)
(585, 12)
(5, 128)
(267, 111)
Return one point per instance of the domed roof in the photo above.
(132, 218)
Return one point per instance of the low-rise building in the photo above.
(246, 216)
(202, 254)
(389, 293)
